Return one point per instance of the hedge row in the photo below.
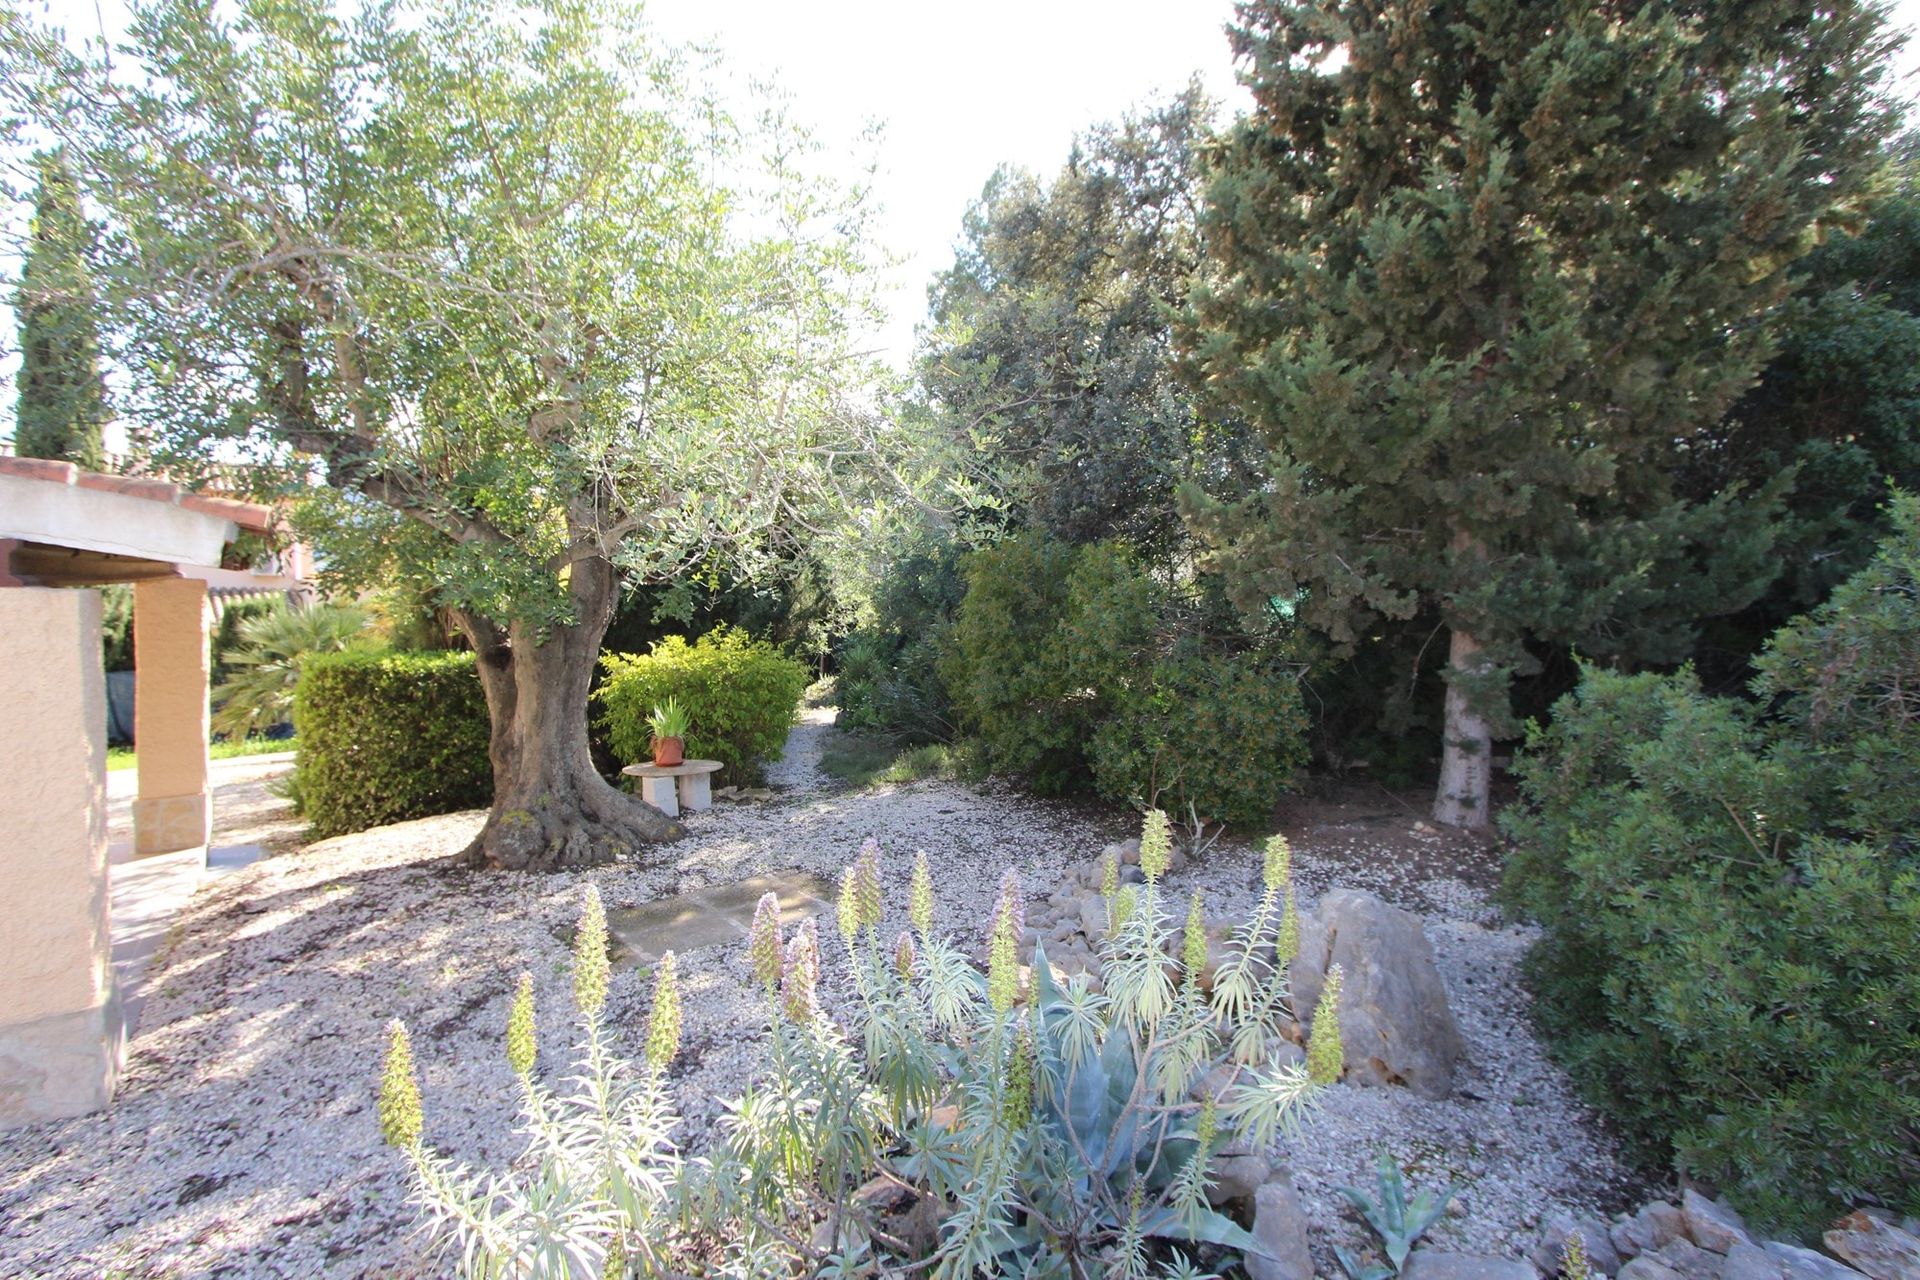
(389, 736)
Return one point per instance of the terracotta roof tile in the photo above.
(248, 515)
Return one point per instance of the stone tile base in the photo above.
(66, 1064)
(165, 824)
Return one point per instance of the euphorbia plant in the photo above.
(1041, 1125)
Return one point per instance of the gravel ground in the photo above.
(243, 1142)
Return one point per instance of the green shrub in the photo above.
(1049, 640)
(1059, 1131)
(888, 671)
(263, 664)
(1731, 902)
(743, 696)
(1217, 737)
(388, 736)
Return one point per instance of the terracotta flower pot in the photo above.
(668, 752)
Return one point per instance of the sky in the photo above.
(958, 90)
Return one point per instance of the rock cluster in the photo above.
(1704, 1239)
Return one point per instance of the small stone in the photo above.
(1437, 1264)
(1280, 1228)
(1747, 1261)
(1711, 1224)
(1805, 1264)
(1548, 1254)
(1877, 1248)
(884, 1194)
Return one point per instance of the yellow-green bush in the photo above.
(388, 736)
(744, 696)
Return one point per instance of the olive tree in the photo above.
(525, 313)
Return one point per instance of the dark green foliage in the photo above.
(388, 736)
(1051, 343)
(226, 633)
(63, 399)
(1838, 407)
(1045, 645)
(743, 695)
(888, 671)
(1458, 281)
(1217, 736)
(1077, 669)
(116, 627)
(1731, 898)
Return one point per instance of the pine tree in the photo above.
(1479, 270)
(63, 399)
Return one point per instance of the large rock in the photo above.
(1878, 1248)
(1238, 1177)
(1651, 1228)
(1395, 1023)
(1562, 1227)
(1648, 1267)
(1711, 1224)
(1280, 1227)
(1688, 1259)
(1750, 1262)
(1805, 1264)
(1437, 1264)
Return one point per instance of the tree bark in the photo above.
(551, 810)
(1461, 800)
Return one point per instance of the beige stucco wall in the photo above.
(60, 1034)
(171, 719)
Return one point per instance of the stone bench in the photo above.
(673, 787)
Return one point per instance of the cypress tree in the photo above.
(63, 400)
(1480, 271)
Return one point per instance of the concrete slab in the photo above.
(710, 917)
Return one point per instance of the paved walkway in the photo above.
(146, 893)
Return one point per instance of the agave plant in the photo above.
(1058, 1130)
(1398, 1220)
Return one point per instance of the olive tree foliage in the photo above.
(1049, 341)
(1480, 279)
(542, 317)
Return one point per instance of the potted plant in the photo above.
(669, 721)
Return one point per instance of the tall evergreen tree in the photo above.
(63, 399)
(1051, 345)
(1479, 270)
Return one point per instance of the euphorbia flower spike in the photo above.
(1011, 905)
(868, 876)
(1156, 845)
(1277, 871)
(763, 942)
(800, 980)
(590, 964)
(921, 908)
(663, 1024)
(848, 908)
(522, 1045)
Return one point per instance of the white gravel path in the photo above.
(243, 1142)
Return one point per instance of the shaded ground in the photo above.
(244, 1141)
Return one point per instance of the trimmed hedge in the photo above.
(743, 695)
(389, 736)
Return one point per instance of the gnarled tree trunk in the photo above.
(550, 809)
(1466, 758)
